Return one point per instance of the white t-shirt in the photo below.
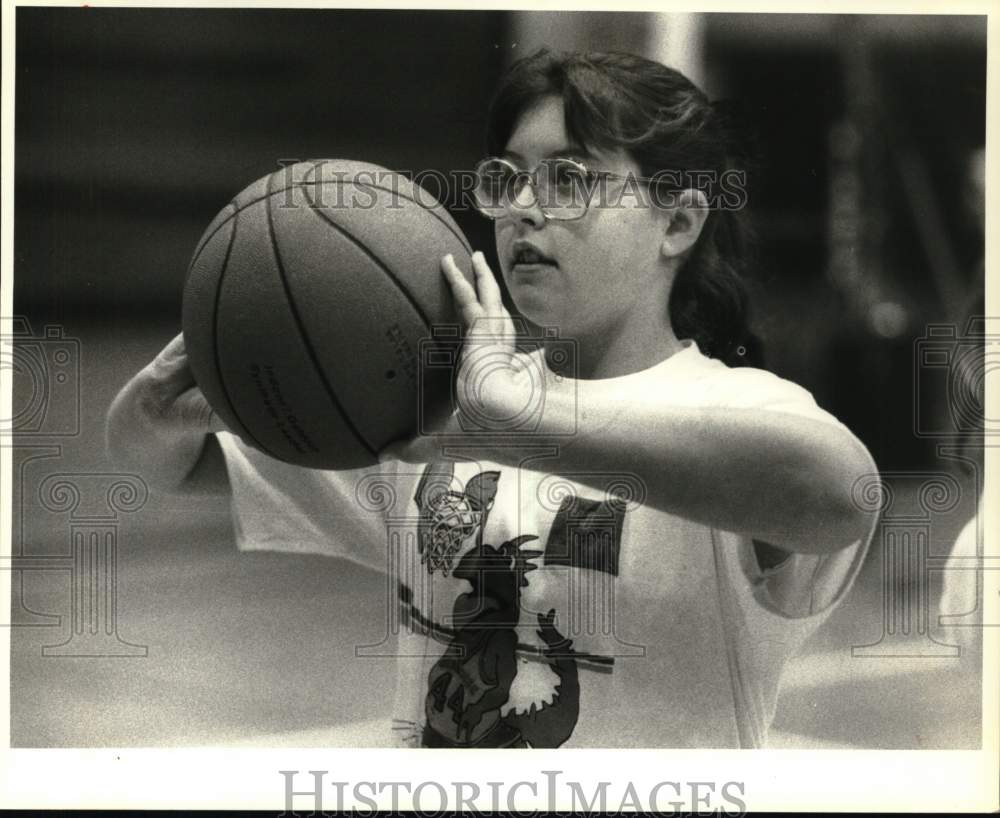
(544, 610)
(962, 589)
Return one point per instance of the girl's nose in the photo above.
(524, 205)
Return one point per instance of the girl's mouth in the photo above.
(528, 258)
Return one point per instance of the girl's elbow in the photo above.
(853, 527)
(859, 499)
(845, 501)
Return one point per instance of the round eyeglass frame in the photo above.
(498, 212)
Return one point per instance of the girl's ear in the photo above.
(684, 223)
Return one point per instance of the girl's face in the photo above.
(607, 271)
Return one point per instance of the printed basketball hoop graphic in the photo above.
(448, 517)
(452, 521)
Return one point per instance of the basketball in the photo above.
(308, 304)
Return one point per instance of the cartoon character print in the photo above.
(468, 701)
(552, 723)
(447, 517)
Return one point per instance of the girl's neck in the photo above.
(611, 354)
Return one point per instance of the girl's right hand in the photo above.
(163, 398)
(160, 425)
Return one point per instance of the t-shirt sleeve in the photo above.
(793, 585)
(749, 388)
(962, 588)
(280, 507)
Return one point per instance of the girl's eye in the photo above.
(567, 175)
(496, 180)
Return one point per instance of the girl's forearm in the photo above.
(168, 455)
(775, 476)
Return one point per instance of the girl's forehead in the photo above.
(540, 133)
(539, 130)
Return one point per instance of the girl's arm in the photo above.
(160, 426)
(769, 474)
(772, 475)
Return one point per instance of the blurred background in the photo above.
(135, 126)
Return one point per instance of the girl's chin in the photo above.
(534, 306)
(543, 323)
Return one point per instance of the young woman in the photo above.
(633, 561)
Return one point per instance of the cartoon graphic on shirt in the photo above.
(551, 724)
(470, 684)
(469, 699)
(448, 518)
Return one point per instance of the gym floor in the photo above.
(258, 649)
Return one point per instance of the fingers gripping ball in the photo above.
(308, 303)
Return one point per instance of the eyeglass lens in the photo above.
(561, 188)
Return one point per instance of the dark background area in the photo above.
(135, 126)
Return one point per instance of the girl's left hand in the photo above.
(492, 386)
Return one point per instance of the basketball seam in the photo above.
(204, 240)
(305, 338)
(232, 203)
(451, 228)
(378, 261)
(215, 342)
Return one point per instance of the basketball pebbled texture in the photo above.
(308, 304)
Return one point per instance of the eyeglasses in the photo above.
(563, 188)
